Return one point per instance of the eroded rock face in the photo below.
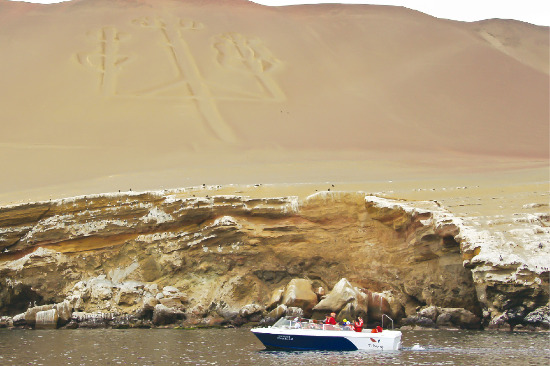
(209, 257)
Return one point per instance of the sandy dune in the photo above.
(99, 96)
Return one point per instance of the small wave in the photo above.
(417, 347)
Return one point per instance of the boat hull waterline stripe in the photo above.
(305, 343)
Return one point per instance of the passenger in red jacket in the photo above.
(331, 319)
(358, 324)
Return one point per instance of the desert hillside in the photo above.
(100, 96)
(222, 162)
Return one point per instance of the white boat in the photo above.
(305, 334)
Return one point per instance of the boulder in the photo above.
(431, 316)
(46, 319)
(171, 297)
(213, 321)
(171, 303)
(342, 293)
(171, 292)
(250, 309)
(275, 298)
(499, 322)
(299, 293)
(252, 312)
(346, 300)
(417, 320)
(278, 312)
(6, 322)
(152, 288)
(348, 312)
(30, 314)
(101, 288)
(129, 293)
(267, 321)
(19, 320)
(424, 322)
(64, 312)
(225, 311)
(539, 317)
(516, 315)
(519, 316)
(79, 295)
(238, 321)
(163, 315)
(295, 312)
(430, 312)
(445, 320)
(458, 317)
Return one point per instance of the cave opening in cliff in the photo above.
(450, 242)
(19, 299)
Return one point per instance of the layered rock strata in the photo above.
(151, 259)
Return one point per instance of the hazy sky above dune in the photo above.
(531, 11)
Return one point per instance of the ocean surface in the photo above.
(240, 347)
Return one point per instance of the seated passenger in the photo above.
(346, 324)
(378, 329)
(331, 319)
(358, 325)
(312, 324)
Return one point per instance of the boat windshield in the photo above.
(289, 322)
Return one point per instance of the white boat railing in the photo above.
(292, 323)
(384, 315)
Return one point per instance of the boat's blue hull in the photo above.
(305, 343)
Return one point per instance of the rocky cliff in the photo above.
(184, 256)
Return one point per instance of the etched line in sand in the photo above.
(106, 60)
(189, 73)
(237, 52)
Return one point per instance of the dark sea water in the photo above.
(240, 347)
